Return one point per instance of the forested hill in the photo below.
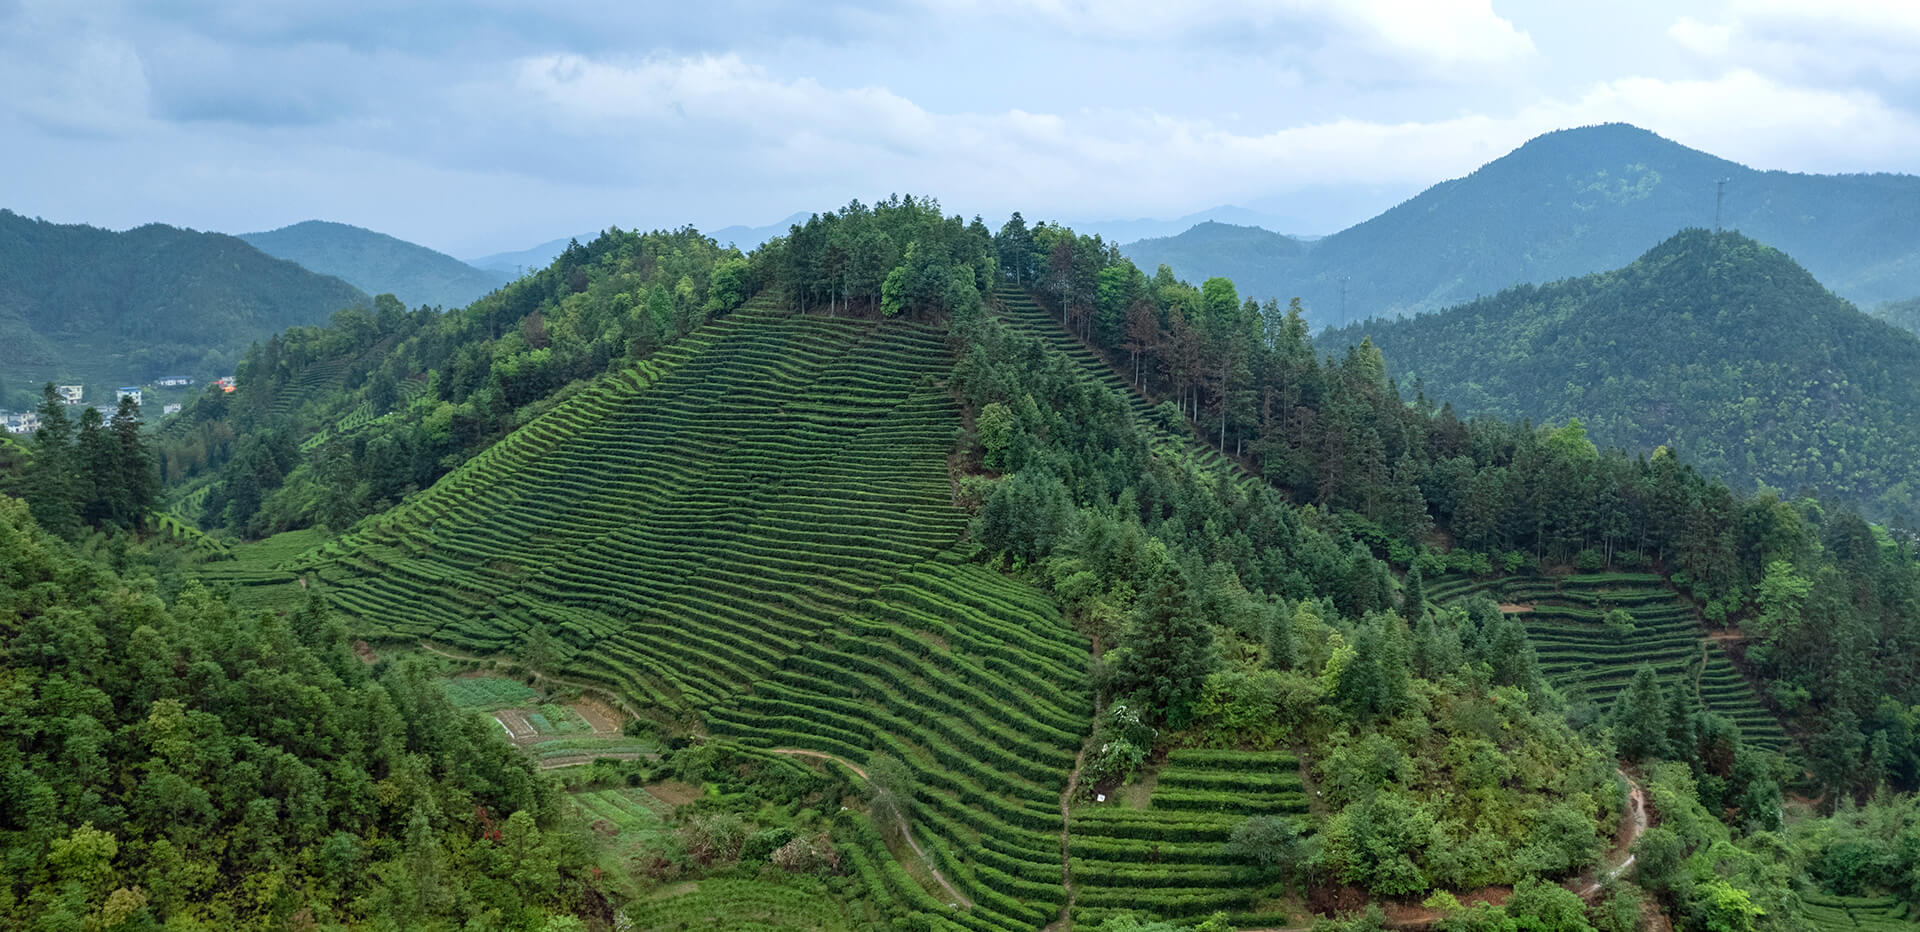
(378, 263)
(81, 303)
(1570, 203)
(1712, 344)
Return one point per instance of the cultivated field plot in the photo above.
(685, 526)
(260, 574)
(556, 733)
(1577, 651)
(1837, 913)
(626, 818)
(1169, 858)
(741, 905)
(974, 682)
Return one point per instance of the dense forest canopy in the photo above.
(82, 304)
(1712, 345)
(165, 760)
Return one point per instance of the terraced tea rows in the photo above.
(975, 683)
(1169, 858)
(683, 527)
(1870, 913)
(1578, 652)
(1027, 318)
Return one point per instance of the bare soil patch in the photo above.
(673, 792)
(599, 716)
(1512, 608)
(365, 652)
(516, 724)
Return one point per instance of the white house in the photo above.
(174, 381)
(70, 394)
(128, 391)
(169, 409)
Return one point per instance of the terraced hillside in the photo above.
(1841, 913)
(1168, 857)
(973, 681)
(683, 527)
(1563, 616)
(753, 534)
(1018, 309)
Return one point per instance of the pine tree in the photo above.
(1413, 598)
(53, 494)
(1640, 717)
(1168, 649)
(138, 476)
(97, 476)
(1282, 651)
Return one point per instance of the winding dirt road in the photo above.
(958, 897)
(1623, 844)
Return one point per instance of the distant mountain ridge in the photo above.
(1716, 345)
(377, 263)
(1568, 203)
(82, 303)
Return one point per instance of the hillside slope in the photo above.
(85, 304)
(378, 264)
(1570, 203)
(1712, 344)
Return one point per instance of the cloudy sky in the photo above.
(493, 125)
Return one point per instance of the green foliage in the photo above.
(179, 762)
(278, 453)
(98, 307)
(1724, 335)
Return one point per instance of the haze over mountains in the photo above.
(1567, 203)
(377, 263)
(1715, 345)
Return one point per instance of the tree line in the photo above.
(90, 473)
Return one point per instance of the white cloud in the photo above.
(866, 141)
(1831, 42)
(1432, 32)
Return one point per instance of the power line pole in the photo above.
(1719, 196)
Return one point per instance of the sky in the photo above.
(494, 125)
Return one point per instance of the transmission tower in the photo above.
(1719, 197)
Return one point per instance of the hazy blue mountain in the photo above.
(747, 238)
(1127, 231)
(1713, 344)
(86, 304)
(377, 263)
(1902, 314)
(512, 265)
(1579, 201)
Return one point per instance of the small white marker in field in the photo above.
(1099, 797)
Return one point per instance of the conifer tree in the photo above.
(1168, 649)
(52, 490)
(140, 486)
(1640, 717)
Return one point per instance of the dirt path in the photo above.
(1514, 608)
(581, 760)
(1066, 836)
(958, 897)
(1623, 844)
